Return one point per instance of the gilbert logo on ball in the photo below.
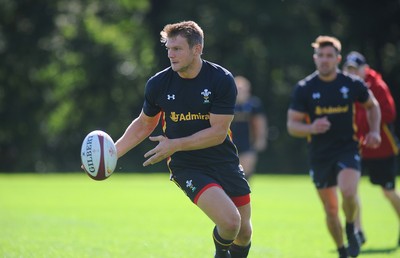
(98, 155)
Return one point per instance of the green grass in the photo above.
(144, 216)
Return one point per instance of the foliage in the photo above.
(69, 67)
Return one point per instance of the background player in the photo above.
(195, 100)
(249, 126)
(322, 110)
(379, 163)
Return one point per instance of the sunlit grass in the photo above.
(145, 215)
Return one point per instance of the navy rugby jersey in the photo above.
(186, 105)
(335, 100)
(241, 125)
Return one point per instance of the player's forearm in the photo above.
(203, 139)
(260, 133)
(374, 118)
(134, 134)
(260, 141)
(298, 129)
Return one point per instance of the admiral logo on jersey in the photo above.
(178, 117)
(331, 110)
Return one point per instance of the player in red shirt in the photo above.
(380, 163)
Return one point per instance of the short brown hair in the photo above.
(187, 29)
(323, 41)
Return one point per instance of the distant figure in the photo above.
(249, 126)
(322, 110)
(380, 163)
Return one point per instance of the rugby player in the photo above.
(249, 126)
(380, 163)
(195, 101)
(322, 109)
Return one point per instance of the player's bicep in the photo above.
(295, 116)
(221, 122)
(371, 101)
(148, 123)
(297, 123)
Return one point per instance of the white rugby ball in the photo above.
(98, 155)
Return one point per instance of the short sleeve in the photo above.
(150, 106)
(362, 90)
(225, 98)
(298, 100)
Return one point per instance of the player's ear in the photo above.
(315, 56)
(198, 49)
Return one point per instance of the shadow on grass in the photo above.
(374, 251)
(388, 250)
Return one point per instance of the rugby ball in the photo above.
(98, 155)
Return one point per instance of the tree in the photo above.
(68, 67)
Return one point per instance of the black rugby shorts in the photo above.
(324, 172)
(381, 171)
(194, 181)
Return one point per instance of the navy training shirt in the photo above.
(335, 100)
(186, 105)
(241, 124)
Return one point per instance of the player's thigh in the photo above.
(217, 205)
(348, 179)
(349, 172)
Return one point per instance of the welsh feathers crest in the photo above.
(206, 93)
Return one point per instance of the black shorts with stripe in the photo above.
(381, 171)
(194, 181)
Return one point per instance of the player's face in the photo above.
(351, 70)
(180, 54)
(360, 71)
(326, 60)
(243, 91)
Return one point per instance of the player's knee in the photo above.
(231, 224)
(331, 211)
(244, 236)
(349, 193)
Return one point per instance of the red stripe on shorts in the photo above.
(237, 200)
(241, 200)
(202, 191)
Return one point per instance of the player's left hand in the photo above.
(372, 140)
(161, 151)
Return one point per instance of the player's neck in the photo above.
(328, 77)
(192, 70)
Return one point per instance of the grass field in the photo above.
(144, 216)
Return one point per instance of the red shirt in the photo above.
(382, 93)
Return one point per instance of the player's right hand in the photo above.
(372, 140)
(320, 125)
